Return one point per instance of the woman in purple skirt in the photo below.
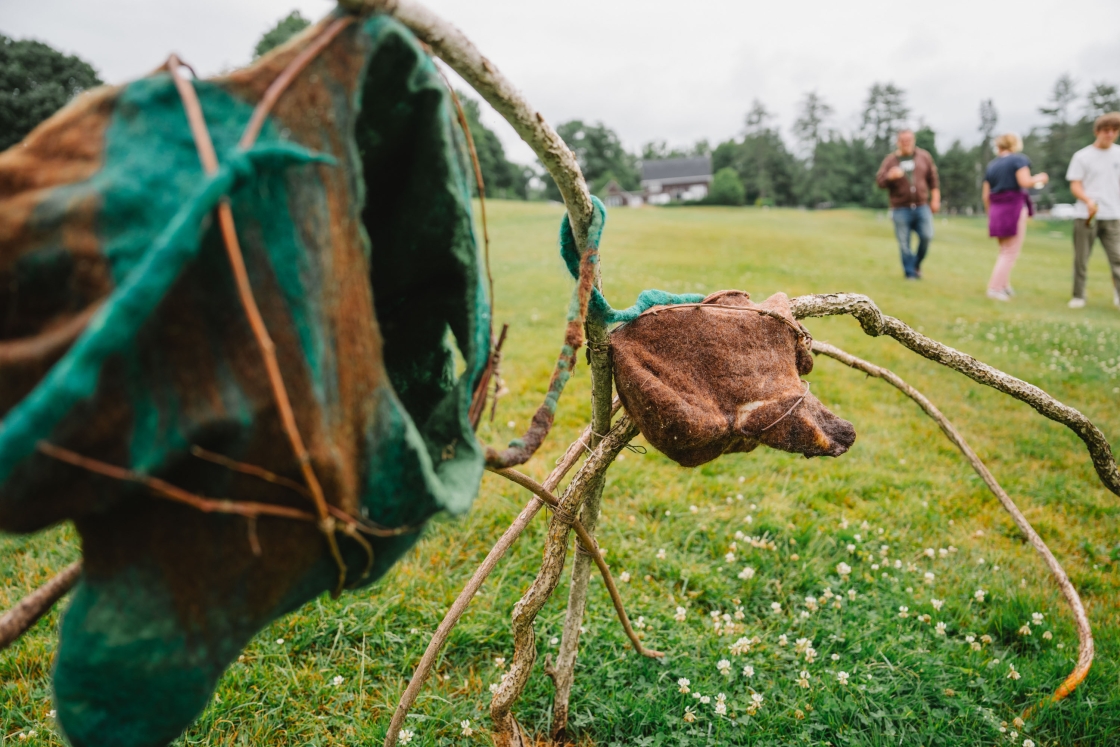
(1008, 204)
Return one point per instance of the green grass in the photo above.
(901, 486)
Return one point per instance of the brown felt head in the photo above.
(723, 376)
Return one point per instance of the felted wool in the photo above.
(122, 338)
(704, 381)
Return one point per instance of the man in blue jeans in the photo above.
(910, 177)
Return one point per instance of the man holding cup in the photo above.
(910, 177)
(1094, 179)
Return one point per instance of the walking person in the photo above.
(1094, 179)
(910, 177)
(1008, 204)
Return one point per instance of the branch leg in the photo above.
(1084, 632)
(28, 610)
(506, 729)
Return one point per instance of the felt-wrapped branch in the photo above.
(1081, 620)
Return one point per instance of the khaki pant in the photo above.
(1108, 231)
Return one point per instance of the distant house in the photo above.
(671, 179)
(615, 196)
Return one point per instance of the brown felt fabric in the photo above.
(704, 381)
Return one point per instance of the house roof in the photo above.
(677, 168)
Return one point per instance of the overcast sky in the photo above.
(657, 70)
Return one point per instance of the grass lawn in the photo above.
(332, 673)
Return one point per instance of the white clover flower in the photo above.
(756, 699)
(705, 699)
(624, 577)
(739, 535)
(553, 641)
(1018, 722)
(1037, 617)
(697, 696)
(466, 725)
(843, 569)
(682, 685)
(748, 670)
(1028, 743)
(337, 681)
(874, 566)
(783, 640)
(811, 603)
(810, 655)
(925, 618)
(980, 594)
(747, 573)
(898, 564)
(661, 554)
(724, 667)
(1047, 635)
(842, 677)
(929, 553)
(937, 604)
(640, 623)
(969, 638)
(851, 548)
(494, 687)
(776, 607)
(279, 641)
(680, 614)
(942, 552)
(852, 594)
(689, 716)
(405, 736)
(835, 657)
(52, 713)
(693, 510)
(805, 614)
(721, 708)
(858, 537)
(1013, 734)
(904, 612)
(739, 614)
(803, 679)
(741, 646)
(940, 628)
(985, 638)
(1025, 630)
(500, 662)
(1012, 674)
(952, 549)
(929, 577)
(801, 644)
(729, 558)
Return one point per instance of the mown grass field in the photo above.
(332, 674)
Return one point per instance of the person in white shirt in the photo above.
(1094, 179)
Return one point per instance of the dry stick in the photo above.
(451, 618)
(563, 673)
(209, 159)
(592, 549)
(506, 728)
(875, 323)
(28, 610)
(1084, 632)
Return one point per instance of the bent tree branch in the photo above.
(1084, 632)
(875, 323)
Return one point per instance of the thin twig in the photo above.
(592, 549)
(19, 619)
(1084, 632)
(267, 348)
(506, 728)
(875, 323)
(459, 607)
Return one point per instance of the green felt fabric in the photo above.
(170, 595)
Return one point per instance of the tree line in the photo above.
(820, 166)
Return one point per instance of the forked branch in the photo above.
(1084, 632)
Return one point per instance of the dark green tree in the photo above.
(768, 170)
(961, 170)
(809, 127)
(727, 188)
(884, 114)
(989, 118)
(600, 154)
(1060, 138)
(502, 178)
(1102, 98)
(284, 29)
(35, 81)
(926, 139)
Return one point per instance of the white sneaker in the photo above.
(1077, 303)
(998, 295)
